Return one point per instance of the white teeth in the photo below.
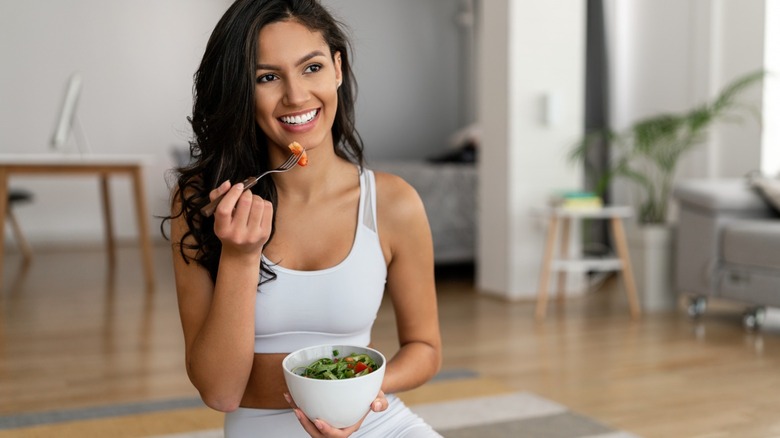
(300, 119)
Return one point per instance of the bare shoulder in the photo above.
(401, 218)
(391, 184)
(396, 198)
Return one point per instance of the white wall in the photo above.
(137, 59)
(529, 50)
(669, 55)
(741, 44)
(410, 76)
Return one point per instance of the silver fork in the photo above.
(250, 182)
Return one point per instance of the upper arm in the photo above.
(406, 240)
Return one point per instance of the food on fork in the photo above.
(298, 150)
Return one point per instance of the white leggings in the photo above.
(397, 421)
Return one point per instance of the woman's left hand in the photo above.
(319, 428)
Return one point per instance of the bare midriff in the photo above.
(266, 386)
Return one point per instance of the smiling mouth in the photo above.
(300, 119)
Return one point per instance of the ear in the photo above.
(337, 65)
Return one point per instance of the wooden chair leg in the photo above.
(24, 246)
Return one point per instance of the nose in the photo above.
(296, 92)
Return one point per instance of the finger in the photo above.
(267, 221)
(223, 215)
(256, 214)
(243, 208)
(222, 188)
(307, 424)
(323, 427)
(328, 430)
(380, 403)
(290, 401)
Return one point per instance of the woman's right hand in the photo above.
(242, 220)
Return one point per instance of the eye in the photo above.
(313, 68)
(268, 77)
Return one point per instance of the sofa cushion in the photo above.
(768, 188)
(752, 243)
(750, 286)
(730, 194)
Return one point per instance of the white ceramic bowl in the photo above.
(340, 403)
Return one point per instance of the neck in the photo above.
(325, 173)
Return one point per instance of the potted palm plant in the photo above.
(647, 154)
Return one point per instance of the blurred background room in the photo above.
(477, 104)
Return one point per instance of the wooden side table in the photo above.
(562, 264)
(101, 166)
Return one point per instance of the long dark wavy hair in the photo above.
(227, 143)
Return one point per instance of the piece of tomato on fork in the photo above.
(300, 151)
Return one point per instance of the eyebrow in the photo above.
(300, 61)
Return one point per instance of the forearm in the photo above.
(220, 358)
(414, 364)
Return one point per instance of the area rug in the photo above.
(457, 406)
(515, 415)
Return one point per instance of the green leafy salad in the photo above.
(336, 368)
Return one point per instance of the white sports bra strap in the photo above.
(369, 203)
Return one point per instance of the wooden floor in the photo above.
(74, 334)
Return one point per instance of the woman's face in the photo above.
(296, 85)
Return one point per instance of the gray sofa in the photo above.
(728, 246)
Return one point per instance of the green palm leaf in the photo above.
(647, 153)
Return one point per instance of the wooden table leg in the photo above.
(565, 225)
(24, 246)
(143, 227)
(105, 192)
(3, 213)
(627, 271)
(549, 249)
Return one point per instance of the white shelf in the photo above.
(587, 264)
(606, 212)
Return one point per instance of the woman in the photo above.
(304, 257)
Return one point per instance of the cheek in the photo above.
(330, 97)
(263, 109)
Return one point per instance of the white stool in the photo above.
(615, 214)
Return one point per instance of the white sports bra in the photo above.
(337, 305)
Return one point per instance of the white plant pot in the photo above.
(651, 248)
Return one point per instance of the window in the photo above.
(770, 143)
